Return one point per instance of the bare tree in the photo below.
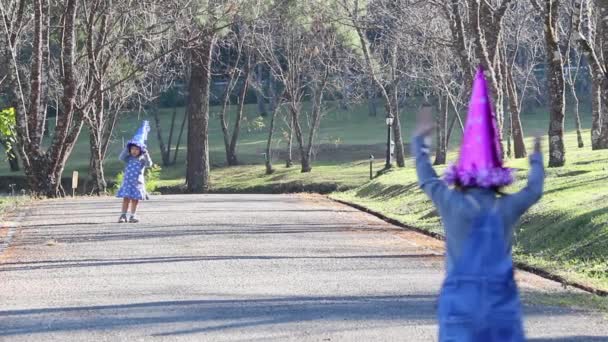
(380, 64)
(268, 153)
(204, 21)
(168, 147)
(70, 74)
(550, 12)
(595, 54)
(574, 58)
(476, 28)
(237, 67)
(28, 91)
(104, 51)
(301, 58)
(442, 76)
(520, 51)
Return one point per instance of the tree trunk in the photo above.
(41, 181)
(555, 78)
(398, 139)
(164, 150)
(456, 116)
(509, 134)
(442, 127)
(516, 128)
(577, 117)
(272, 92)
(96, 171)
(316, 120)
(519, 146)
(269, 169)
(486, 26)
(599, 85)
(197, 174)
(602, 6)
(448, 136)
(394, 102)
(372, 101)
(179, 137)
(170, 140)
(297, 129)
(259, 92)
(223, 114)
(289, 161)
(459, 37)
(603, 140)
(231, 152)
(391, 99)
(44, 171)
(596, 109)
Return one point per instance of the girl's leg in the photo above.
(134, 204)
(125, 209)
(125, 205)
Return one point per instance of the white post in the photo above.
(74, 182)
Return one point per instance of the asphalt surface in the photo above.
(233, 268)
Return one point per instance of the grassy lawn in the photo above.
(566, 233)
(346, 136)
(8, 204)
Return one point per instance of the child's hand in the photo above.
(537, 142)
(424, 121)
(537, 147)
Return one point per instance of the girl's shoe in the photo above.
(122, 219)
(133, 219)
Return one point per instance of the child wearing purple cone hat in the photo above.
(133, 188)
(479, 300)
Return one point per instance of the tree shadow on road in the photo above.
(77, 263)
(170, 318)
(118, 233)
(212, 315)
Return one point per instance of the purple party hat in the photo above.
(480, 163)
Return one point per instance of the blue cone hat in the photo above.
(141, 137)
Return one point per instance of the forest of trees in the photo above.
(88, 62)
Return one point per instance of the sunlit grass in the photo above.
(566, 233)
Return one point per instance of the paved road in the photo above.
(233, 268)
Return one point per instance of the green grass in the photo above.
(566, 233)
(8, 203)
(345, 136)
(571, 299)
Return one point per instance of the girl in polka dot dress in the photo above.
(133, 188)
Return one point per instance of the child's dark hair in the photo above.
(130, 146)
(496, 189)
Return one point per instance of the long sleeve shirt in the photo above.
(458, 208)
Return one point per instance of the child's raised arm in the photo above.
(147, 160)
(528, 196)
(428, 180)
(124, 155)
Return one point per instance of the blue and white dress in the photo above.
(133, 183)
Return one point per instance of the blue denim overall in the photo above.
(479, 300)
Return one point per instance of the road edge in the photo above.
(520, 265)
